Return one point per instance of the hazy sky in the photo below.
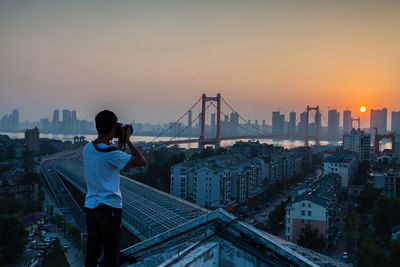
(151, 60)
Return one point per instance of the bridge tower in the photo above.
(317, 126)
(202, 139)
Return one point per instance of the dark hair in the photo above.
(105, 120)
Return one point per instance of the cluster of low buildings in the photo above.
(35, 144)
(217, 181)
(16, 187)
(235, 177)
(388, 181)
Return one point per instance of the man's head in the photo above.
(105, 122)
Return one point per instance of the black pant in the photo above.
(104, 230)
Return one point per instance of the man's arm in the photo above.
(137, 158)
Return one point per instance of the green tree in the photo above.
(362, 173)
(311, 238)
(386, 214)
(13, 239)
(352, 222)
(10, 150)
(31, 178)
(395, 253)
(27, 160)
(55, 257)
(368, 198)
(277, 216)
(10, 206)
(370, 254)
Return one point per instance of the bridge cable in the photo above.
(244, 128)
(172, 125)
(198, 116)
(260, 131)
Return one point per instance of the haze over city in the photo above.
(151, 61)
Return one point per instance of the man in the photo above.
(103, 204)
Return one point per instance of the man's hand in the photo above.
(128, 133)
(123, 140)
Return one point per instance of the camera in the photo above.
(121, 131)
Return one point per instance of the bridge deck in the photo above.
(146, 211)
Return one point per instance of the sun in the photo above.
(363, 109)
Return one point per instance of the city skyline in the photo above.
(262, 56)
(67, 121)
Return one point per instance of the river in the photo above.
(286, 143)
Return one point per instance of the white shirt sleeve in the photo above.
(118, 159)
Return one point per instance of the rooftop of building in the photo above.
(340, 156)
(220, 163)
(321, 191)
(220, 239)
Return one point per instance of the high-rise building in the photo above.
(301, 129)
(278, 122)
(10, 122)
(378, 120)
(189, 119)
(83, 126)
(66, 120)
(333, 122)
(359, 142)
(234, 122)
(264, 126)
(73, 115)
(74, 122)
(32, 139)
(347, 121)
(15, 120)
(55, 122)
(44, 125)
(292, 123)
(395, 121)
(396, 145)
(213, 125)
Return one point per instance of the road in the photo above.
(341, 244)
(74, 256)
(64, 201)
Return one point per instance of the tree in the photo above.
(31, 178)
(362, 173)
(311, 238)
(395, 253)
(386, 214)
(277, 216)
(370, 254)
(13, 239)
(10, 206)
(55, 257)
(10, 150)
(27, 160)
(368, 197)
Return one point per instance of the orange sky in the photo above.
(151, 61)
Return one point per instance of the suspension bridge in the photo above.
(233, 126)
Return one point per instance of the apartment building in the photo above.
(315, 204)
(343, 163)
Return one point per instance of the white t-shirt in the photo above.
(102, 175)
